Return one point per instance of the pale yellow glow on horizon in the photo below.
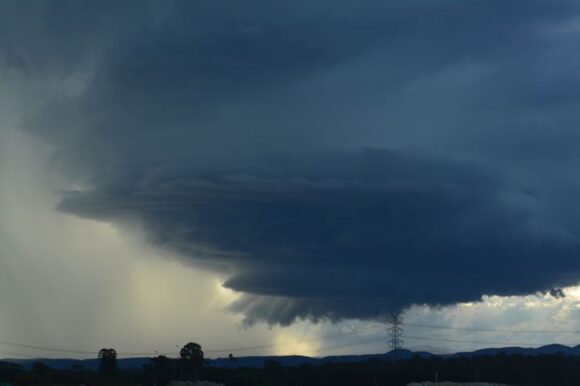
(290, 343)
(113, 289)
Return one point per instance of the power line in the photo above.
(395, 342)
(468, 341)
(42, 348)
(15, 354)
(231, 349)
(494, 330)
(359, 342)
(350, 344)
(62, 350)
(246, 348)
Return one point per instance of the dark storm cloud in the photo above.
(334, 159)
(346, 235)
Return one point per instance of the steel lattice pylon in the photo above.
(395, 331)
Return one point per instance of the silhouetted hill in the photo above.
(297, 360)
(92, 364)
(249, 361)
(543, 350)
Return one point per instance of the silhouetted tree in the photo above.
(191, 358)
(107, 360)
(163, 371)
(9, 370)
(273, 368)
(39, 368)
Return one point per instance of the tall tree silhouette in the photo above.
(191, 359)
(107, 360)
(163, 370)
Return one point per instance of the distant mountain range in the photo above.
(543, 350)
(297, 360)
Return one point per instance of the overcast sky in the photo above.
(278, 176)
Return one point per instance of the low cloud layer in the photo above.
(347, 236)
(330, 161)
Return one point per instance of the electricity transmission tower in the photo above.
(395, 331)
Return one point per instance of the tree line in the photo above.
(543, 370)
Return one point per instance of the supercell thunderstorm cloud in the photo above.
(330, 159)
